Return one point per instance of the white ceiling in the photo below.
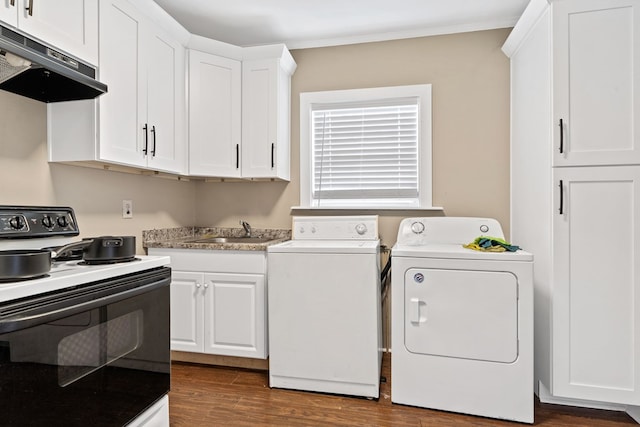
(313, 23)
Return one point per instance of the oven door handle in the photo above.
(19, 322)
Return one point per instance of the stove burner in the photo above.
(108, 261)
(22, 279)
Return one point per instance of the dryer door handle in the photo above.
(414, 310)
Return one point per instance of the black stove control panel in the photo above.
(37, 221)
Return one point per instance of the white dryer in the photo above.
(324, 307)
(461, 321)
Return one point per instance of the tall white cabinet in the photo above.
(575, 196)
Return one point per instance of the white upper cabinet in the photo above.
(266, 100)
(238, 102)
(143, 69)
(121, 109)
(214, 115)
(9, 12)
(239, 112)
(595, 55)
(69, 25)
(140, 121)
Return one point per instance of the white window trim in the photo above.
(425, 178)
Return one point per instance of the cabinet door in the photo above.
(187, 309)
(260, 118)
(164, 62)
(235, 315)
(9, 12)
(595, 82)
(121, 109)
(596, 292)
(69, 25)
(214, 115)
(156, 416)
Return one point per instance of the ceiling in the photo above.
(314, 23)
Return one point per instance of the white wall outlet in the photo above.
(127, 209)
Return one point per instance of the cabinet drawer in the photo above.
(250, 262)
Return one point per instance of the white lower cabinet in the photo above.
(596, 270)
(218, 302)
(218, 313)
(156, 416)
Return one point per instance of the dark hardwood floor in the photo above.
(204, 395)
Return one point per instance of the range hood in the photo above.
(31, 69)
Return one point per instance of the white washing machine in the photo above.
(461, 321)
(324, 307)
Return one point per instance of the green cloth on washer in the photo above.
(491, 244)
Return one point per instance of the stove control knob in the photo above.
(17, 223)
(417, 227)
(62, 221)
(47, 221)
(361, 229)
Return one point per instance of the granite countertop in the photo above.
(183, 238)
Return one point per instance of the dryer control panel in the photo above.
(364, 227)
(453, 230)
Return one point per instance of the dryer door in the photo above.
(463, 314)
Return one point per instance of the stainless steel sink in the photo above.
(231, 240)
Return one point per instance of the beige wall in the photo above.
(470, 78)
(96, 195)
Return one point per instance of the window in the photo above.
(366, 148)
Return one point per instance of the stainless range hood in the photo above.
(31, 69)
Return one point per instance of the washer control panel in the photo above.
(37, 221)
(363, 227)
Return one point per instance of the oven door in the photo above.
(94, 355)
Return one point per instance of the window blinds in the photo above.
(366, 150)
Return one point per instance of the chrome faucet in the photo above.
(247, 228)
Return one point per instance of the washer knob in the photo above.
(417, 227)
(361, 228)
(484, 228)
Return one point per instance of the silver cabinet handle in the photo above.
(12, 3)
(29, 8)
(197, 285)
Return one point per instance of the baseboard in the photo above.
(546, 397)
(212, 359)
